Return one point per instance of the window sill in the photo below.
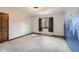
(44, 27)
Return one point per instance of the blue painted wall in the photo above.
(71, 27)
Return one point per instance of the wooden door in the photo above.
(3, 27)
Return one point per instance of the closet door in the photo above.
(3, 27)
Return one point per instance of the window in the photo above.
(45, 22)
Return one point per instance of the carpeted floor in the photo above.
(35, 43)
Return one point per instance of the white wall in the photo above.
(58, 24)
(19, 22)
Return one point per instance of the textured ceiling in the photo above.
(41, 10)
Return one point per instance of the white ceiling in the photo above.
(41, 10)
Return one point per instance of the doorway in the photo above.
(4, 27)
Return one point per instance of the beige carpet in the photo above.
(35, 43)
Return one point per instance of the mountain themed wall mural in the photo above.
(71, 28)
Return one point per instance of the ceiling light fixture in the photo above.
(35, 7)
